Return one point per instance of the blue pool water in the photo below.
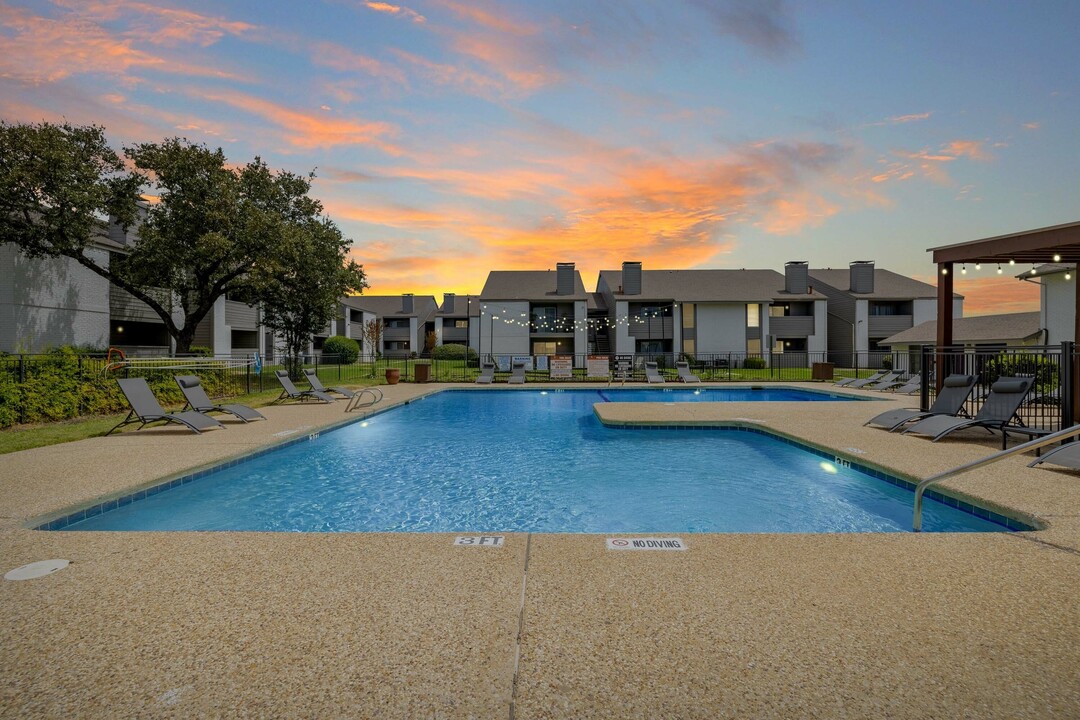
(725, 394)
(532, 461)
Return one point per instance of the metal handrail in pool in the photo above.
(1050, 439)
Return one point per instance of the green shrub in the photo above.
(201, 351)
(452, 351)
(754, 363)
(346, 349)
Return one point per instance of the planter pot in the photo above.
(392, 376)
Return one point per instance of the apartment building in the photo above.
(534, 313)
(694, 312)
(868, 304)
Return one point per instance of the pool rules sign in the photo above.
(648, 543)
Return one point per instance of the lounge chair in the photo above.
(290, 392)
(652, 374)
(950, 401)
(843, 382)
(145, 409)
(888, 386)
(685, 375)
(517, 374)
(907, 387)
(487, 374)
(1068, 455)
(316, 384)
(198, 400)
(997, 413)
(868, 382)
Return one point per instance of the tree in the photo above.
(212, 228)
(301, 289)
(373, 332)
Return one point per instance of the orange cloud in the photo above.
(996, 294)
(395, 10)
(38, 49)
(967, 148)
(497, 20)
(306, 131)
(461, 78)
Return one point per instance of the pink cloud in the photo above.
(404, 12)
(338, 57)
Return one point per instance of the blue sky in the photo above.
(453, 137)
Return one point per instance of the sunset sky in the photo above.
(453, 137)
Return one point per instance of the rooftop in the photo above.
(707, 286)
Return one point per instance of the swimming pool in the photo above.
(529, 461)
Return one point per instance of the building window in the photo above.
(753, 346)
(688, 316)
(753, 317)
(689, 346)
(779, 310)
(461, 324)
(544, 347)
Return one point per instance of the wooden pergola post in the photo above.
(945, 319)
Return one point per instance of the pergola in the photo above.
(1057, 244)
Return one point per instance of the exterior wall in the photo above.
(625, 343)
(819, 341)
(862, 325)
(924, 309)
(1058, 307)
(721, 327)
(50, 302)
(581, 331)
(501, 338)
(222, 332)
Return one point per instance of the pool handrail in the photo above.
(356, 402)
(1035, 444)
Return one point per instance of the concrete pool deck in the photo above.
(547, 626)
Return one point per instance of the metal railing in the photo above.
(1038, 443)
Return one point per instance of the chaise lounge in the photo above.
(146, 409)
(517, 374)
(652, 374)
(997, 413)
(844, 382)
(683, 368)
(949, 402)
(316, 385)
(290, 391)
(198, 400)
(487, 374)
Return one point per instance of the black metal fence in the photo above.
(65, 384)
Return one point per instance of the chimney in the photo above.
(862, 276)
(631, 278)
(407, 303)
(796, 277)
(564, 279)
(448, 302)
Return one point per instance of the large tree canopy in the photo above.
(213, 228)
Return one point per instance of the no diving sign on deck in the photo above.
(650, 543)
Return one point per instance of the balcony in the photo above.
(660, 328)
(881, 326)
(792, 326)
(393, 334)
(241, 316)
(558, 326)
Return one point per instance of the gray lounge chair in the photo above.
(1068, 455)
(198, 400)
(683, 368)
(843, 382)
(652, 374)
(890, 385)
(907, 387)
(145, 409)
(869, 382)
(997, 412)
(316, 384)
(950, 401)
(517, 374)
(487, 374)
(290, 391)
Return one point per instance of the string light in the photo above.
(944, 271)
(1012, 262)
(1032, 269)
(978, 266)
(1057, 258)
(999, 268)
(1068, 275)
(963, 269)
